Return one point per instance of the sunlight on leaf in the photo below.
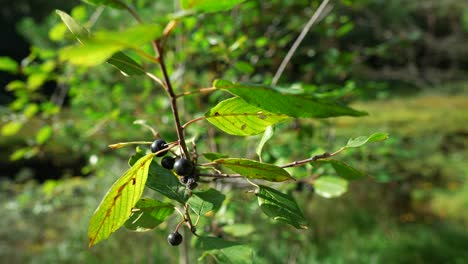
(292, 105)
(236, 117)
(359, 141)
(330, 186)
(116, 207)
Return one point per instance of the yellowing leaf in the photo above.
(116, 207)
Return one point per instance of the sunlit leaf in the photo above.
(79, 31)
(342, 169)
(8, 64)
(223, 251)
(119, 60)
(43, 134)
(102, 45)
(236, 117)
(110, 3)
(11, 128)
(330, 186)
(90, 54)
(359, 141)
(281, 207)
(239, 230)
(255, 170)
(206, 201)
(209, 5)
(288, 104)
(147, 214)
(116, 207)
(267, 135)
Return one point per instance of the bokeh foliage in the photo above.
(411, 209)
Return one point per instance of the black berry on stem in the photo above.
(175, 238)
(168, 162)
(183, 167)
(158, 145)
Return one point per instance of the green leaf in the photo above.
(209, 5)
(147, 214)
(117, 204)
(43, 135)
(330, 186)
(206, 201)
(359, 141)
(125, 64)
(239, 230)
(280, 206)
(166, 183)
(79, 31)
(236, 117)
(11, 128)
(224, 251)
(267, 135)
(103, 45)
(110, 3)
(121, 61)
(342, 169)
(132, 37)
(15, 85)
(139, 153)
(288, 104)
(213, 156)
(8, 64)
(255, 170)
(91, 54)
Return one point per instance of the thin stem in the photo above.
(219, 175)
(124, 144)
(146, 55)
(298, 41)
(131, 11)
(173, 101)
(312, 159)
(199, 91)
(156, 79)
(193, 121)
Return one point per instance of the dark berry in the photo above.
(168, 162)
(175, 238)
(157, 145)
(183, 167)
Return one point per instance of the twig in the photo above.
(312, 159)
(219, 175)
(298, 41)
(173, 101)
(193, 121)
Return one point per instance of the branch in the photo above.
(298, 41)
(173, 101)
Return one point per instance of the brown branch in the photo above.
(173, 101)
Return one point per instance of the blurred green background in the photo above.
(405, 62)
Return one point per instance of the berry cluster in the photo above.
(182, 166)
